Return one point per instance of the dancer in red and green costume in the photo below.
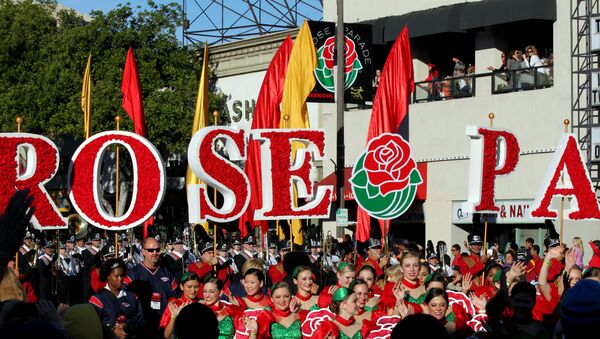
(226, 313)
(364, 312)
(414, 293)
(345, 274)
(189, 284)
(369, 275)
(305, 283)
(344, 306)
(287, 316)
(253, 282)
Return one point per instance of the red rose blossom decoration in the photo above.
(388, 163)
(350, 53)
(328, 52)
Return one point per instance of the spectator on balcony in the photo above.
(502, 66)
(533, 60)
(376, 79)
(512, 65)
(459, 67)
(433, 92)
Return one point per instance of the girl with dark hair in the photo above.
(437, 303)
(119, 311)
(189, 284)
(226, 313)
(304, 281)
(369, 275)
(287, 319)
(253, 282)
(424, 271)
(363, 310)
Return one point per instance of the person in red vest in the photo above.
(205, 266)
(475, 260)
(224, 263)
(375, 258)
(276, 272)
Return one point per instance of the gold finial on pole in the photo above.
(491, 116)
(566, 122)
(19, 121)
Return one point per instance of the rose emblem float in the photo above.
(385, 177)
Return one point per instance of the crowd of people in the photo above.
(514, 71)
(146, 289)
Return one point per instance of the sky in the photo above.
(86, 6)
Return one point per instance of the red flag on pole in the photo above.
(390, 107)
(132, 94)
(266, 115)
(132, 104)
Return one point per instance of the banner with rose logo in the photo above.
(358, 68)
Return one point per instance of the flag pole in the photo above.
(566, 122)
(215, 117)
(118, 121)
(340, 47)
(491, 116)
(286, 119)
(19, 121)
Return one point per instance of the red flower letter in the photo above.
(585, 205)
(42, 164)
(148, 180)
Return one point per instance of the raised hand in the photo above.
(479, 301)
(294, 304)
(467, 282)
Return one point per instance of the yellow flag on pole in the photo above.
(200, 117)
(86, 99)
(299, 82)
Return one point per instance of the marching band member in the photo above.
(45, 267)
(375, 258)
(246, 253)
(189, 285)
(224, 265)
(205, 265)
(272, 257)
(173, 259)
(276, 272)
(92, 258)
(304, 280)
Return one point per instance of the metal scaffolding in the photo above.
(219, 21)
(585, 70)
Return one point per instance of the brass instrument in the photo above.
(34, 246)
(77, 225)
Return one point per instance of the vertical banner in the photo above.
(358, 69)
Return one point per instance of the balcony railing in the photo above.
(501, 81)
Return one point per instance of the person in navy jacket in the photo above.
(120, 312)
